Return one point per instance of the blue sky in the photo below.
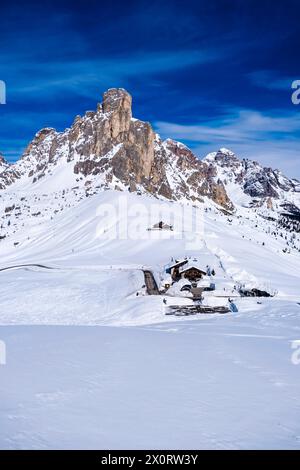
(211, 74)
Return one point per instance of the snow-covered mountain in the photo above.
(78, 231)
(249, 183)
(108, 149)
(111, 149)
(3, 163)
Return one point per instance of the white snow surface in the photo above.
(112, 370)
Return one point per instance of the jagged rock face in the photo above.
(110, 145)
(4, 167)
(197, 179)
(2, 160)
(226, 158)
(3, 163)
(111, 149)
(269, 203)
(291, 210)
(117, 103)
(259, 183)
(255, 180)
(112, 141)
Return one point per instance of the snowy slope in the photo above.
(99, 246)
(78, 228)
(163, 382)
(222, 383)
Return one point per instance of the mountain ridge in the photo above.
(120, 152)
(110, 148)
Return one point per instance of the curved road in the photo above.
(26, 266)
(151, 284)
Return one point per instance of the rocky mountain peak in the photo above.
(3, 165)
(225, 157)
(116, 99)
(185, 156)
(112, 149)
(2, 160)
(255, 180)
(117, 104)
(224, 152)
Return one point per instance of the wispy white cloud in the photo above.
(82, 75)
(270, 80)
(272, 139)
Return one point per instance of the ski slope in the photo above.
(222, 383)
(139, 378)
(99, 247)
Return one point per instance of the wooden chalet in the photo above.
(173, 269)
(191, 272)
